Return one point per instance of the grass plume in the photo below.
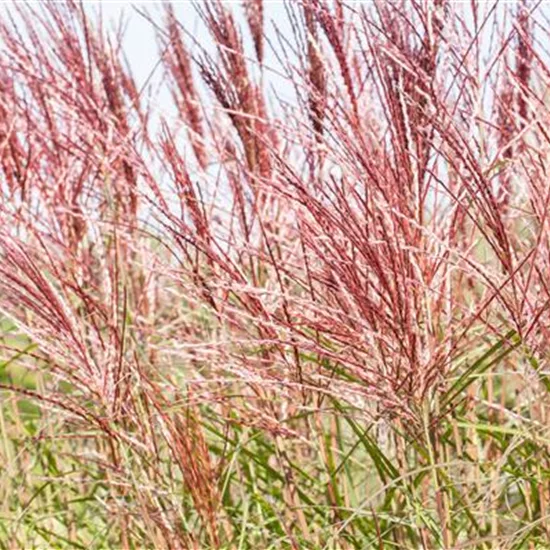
(304, 306)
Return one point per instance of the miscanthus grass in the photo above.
(302, 304)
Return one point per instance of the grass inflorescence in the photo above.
(303, 305)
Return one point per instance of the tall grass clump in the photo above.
(292, 291)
